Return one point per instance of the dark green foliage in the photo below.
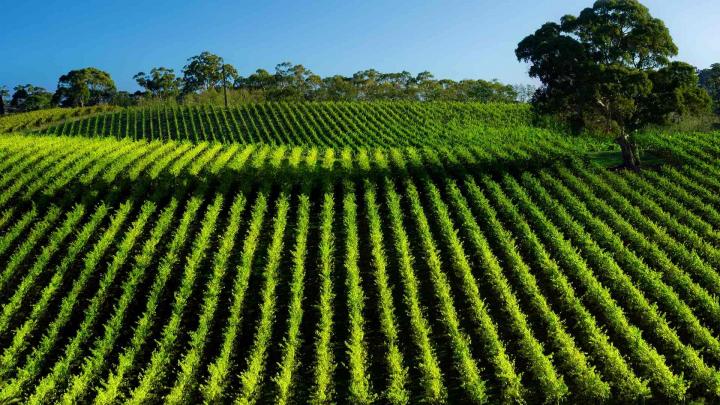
(204, 72)
(161, 82)
(296, 82)
(84, 87)
(675, 94)
(30, 98)
(710, 81)
(608, 69)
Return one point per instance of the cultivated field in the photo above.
(327, 124)
(351, 253)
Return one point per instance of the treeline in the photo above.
(207, 79)
(295, 82)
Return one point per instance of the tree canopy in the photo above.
(30, 98)
(296, 82)
(207, 71)
(84, 87)
(609, 68)
(206, 76)
(161, 82)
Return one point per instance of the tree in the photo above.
(489, 92)
(30, 98)
(710, 81)
(524, 92)
(125, 99)
(427, 88)
(261, 80)
(84, 87)
(338, 88)
(207, 71)
(294, 82)
(676, 93)
(366, 82)
(3, 94)
(161, 82)
(605, 68)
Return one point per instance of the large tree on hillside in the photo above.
(84, 87)
(609, 68)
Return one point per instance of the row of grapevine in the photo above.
(653, 244)
(80, 383)
(190, 361)
(597, 297)
(286, 377)
(213, 389)
(126, 363)
(160, 359)
(396, 391)
(431, 375)
(252, 376)
(324, 363)
(587, 331)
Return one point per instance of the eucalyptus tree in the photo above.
(161, 82)
(83, 87)
(609, 69)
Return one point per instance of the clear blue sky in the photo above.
(40, 40)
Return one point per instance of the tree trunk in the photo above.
(2, 105)
(630, 153)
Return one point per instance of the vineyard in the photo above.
(327, 124)
(352, 253)
(43, 118)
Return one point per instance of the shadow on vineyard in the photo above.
(281, 174)
(160, 270)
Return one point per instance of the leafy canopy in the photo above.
(296, 82)
(83, 87)
(161, 82)
(207, 71)
(30, 98)
(609, 68)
